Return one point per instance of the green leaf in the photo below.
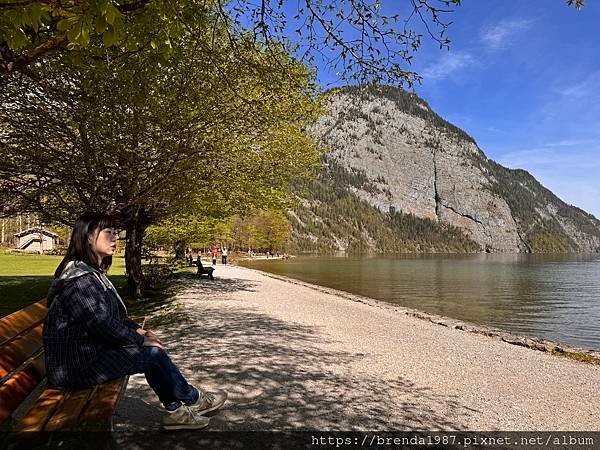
(102, 5)
(18, 39)
(108, 38)
(36, 14)
(64, 25)
(110, 14)
(85, 36)
(74, 33)
(132, 46)
(100, 24)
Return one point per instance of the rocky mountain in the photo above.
(398, 178)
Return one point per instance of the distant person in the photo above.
(213, 253)
(89, 340)
(190, 257)
(224, 256)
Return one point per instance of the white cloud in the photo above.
(572, 143)
(578, 90)
(587, 88)
(447, 65)
(500, 35)
(493, 129)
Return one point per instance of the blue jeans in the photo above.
(165, 378)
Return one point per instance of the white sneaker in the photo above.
(184, 418)
(209, 401)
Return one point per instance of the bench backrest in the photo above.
(21, 356)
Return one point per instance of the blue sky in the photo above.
(523, 78)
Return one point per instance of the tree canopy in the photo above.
(355, 37)
(160, 134)
(264, 229)
(205, 130)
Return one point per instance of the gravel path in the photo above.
(294, 357)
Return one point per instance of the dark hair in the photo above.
(79, 247)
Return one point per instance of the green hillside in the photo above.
(331, 213)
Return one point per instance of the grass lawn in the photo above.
(25, 279)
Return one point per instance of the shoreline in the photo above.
(588, 356)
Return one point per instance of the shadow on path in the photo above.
(203, 286)
(279, 375)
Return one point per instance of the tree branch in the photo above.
(21, 62)
(131, 7)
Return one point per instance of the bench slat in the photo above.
(17, 351)
(17, 388)
(19, 321)
(103, 402)
(41, 411)
(66, 415)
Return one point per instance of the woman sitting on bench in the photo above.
(89, 340)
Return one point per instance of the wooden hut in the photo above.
(36, 240)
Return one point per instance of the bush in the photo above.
(59, 250)
(156, 275)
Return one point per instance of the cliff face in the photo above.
(412, 161)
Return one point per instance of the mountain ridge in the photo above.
(389, 149)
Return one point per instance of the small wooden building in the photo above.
(36, 240)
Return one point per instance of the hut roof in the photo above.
(36, 230)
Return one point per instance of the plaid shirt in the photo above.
(88, 338)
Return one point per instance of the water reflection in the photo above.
(551, 296)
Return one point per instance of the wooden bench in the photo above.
(204, 270)
(26, 404)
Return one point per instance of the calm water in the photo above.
(555, 297)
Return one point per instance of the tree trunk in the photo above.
(180, 250)
(135, 229)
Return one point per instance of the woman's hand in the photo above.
(150, 334)
(150, 341)
(147, 333)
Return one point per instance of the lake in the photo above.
(555, 297)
